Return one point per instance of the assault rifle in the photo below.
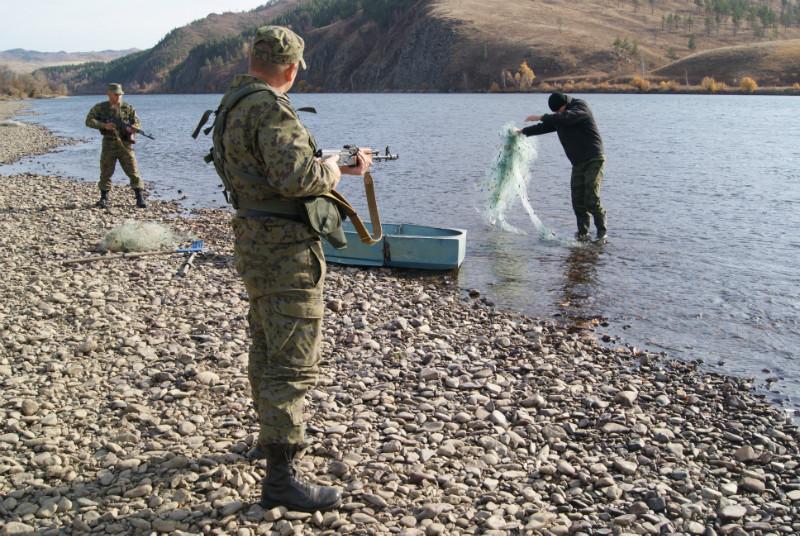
(123, 127)
(348, 153)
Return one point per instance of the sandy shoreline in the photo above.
(125, 406)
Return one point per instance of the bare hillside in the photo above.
(771, 63)
(562, 38)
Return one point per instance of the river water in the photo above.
(702, 194)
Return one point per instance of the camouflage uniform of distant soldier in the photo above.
(270, 156)
(117, 142)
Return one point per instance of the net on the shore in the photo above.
(507, 181)
(140, 236)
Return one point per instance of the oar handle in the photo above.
(188, 264)
(114, 256)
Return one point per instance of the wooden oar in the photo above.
(195, 247)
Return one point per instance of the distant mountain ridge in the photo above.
(459, 45)
(22, 60)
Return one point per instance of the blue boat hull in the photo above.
(403, 246)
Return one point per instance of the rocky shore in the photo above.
(19, 139)
(125, 405)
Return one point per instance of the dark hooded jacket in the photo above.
(576, 130)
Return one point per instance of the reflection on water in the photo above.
(509, 269)
(580, 282)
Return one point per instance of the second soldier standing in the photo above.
(115, 119)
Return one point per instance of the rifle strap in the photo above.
(374, 215)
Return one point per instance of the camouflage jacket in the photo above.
(264, 137)
(104, 112)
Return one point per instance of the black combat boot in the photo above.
(600, 223)
(282, 487)
(255, 453)
(139, 198)
(582, 235)
(103, 202)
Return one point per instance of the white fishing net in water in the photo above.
(140, 236)
(508, 179)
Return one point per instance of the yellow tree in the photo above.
(526, 76)
(748, 84)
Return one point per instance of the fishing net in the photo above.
(508, 179)
(140, 236)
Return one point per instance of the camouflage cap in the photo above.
(277, 44)
(115, 88)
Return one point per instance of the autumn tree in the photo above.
(522, 80)
(748, 84)
(526, 76)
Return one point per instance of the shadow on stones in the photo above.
(164, 493)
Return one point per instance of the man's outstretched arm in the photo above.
(537, 129)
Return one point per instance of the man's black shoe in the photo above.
(139, 198)
(282, 487)
(103, 202)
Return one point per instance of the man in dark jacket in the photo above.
(577, 131)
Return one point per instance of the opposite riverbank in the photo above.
(126, 408)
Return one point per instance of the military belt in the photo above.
(257, 214)
(295, 210)
(271, 208)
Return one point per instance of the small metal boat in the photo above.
(403, 246)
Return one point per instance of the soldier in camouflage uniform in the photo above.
(271, 164)
(110, 118)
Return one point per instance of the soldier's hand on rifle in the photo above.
(109, 126)
(363, 161)
(332, 162)
(130, 130)
(533, 118)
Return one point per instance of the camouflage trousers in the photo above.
(112, 151)
(284, 282)
(585, 185)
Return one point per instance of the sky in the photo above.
(87, 25)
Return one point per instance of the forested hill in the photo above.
(465, 45)
(150, 71)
